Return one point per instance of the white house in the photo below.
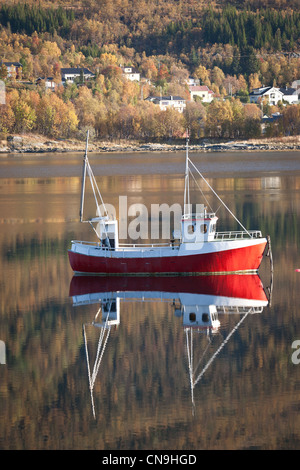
(49, 82)
(131, 73)
(192, 81)
(168, 102)
(273, 95)
(290, 95)
(14, 69)
(296, 84)
(202, 92)
(69, 74)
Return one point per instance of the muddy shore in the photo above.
(39, 144)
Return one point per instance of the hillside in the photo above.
(228, 48)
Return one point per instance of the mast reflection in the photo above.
(197, 300)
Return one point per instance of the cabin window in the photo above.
(203, 228)
(191, 229)
(205, 317)
(212, 228)
(192, 317)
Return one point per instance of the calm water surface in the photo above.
(144, 377)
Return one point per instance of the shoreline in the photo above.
(30, 143)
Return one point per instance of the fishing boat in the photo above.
(198, 248)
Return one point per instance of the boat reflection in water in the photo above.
(198, 300)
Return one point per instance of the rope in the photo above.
(227, 208)
(221, 347)
(195, 181)
(94, 185)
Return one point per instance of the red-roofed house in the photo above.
(202, 92)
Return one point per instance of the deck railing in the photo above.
(219, 236)
(126, 246)
(235, 235)
(239, 309)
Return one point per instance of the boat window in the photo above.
(203, 228)
(192, 317)
(212, 228)
(191, 229)
(205, 317)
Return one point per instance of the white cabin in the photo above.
(200, 227)
(107, 230)
(201, 316)
(110, 313)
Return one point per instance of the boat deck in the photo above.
(175, 245)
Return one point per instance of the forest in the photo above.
(231, 47)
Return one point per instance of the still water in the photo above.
(144, 377)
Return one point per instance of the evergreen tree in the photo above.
(248, 61)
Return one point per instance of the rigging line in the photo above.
(190, 358)
(94, 185)
(100, 341)
(99, 359)
(202, 357)
(221, 347)
(91, 385)
(231, 213)
(200, 190)
(97, 234)
(90, 173)
(96, 363)
(87, 358)
(217, 209)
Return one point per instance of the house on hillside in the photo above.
(296, 84)
(272, 94)
(201, 92)
(269, 120)
(192, 81)
(50, 84)
(68, 75)
(14, 69)
(169, 102)
(290, 95)
(131, 73)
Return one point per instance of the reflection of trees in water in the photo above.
(144, 384)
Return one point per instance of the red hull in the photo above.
(247, 286)
(234, 260)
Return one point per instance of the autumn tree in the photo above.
(148, 68)
(7, 119)
(127, 121)
(203, 75)
(218, 119)
(56, 118)
(217, 76)
(169, 124)
(149, 115)
(3, 72)
(87, 107)
(195, 114)
(291, 120)
(254, 81)
(23, 111)
(236, 128)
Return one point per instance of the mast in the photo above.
(186, 201)
(83, 177)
